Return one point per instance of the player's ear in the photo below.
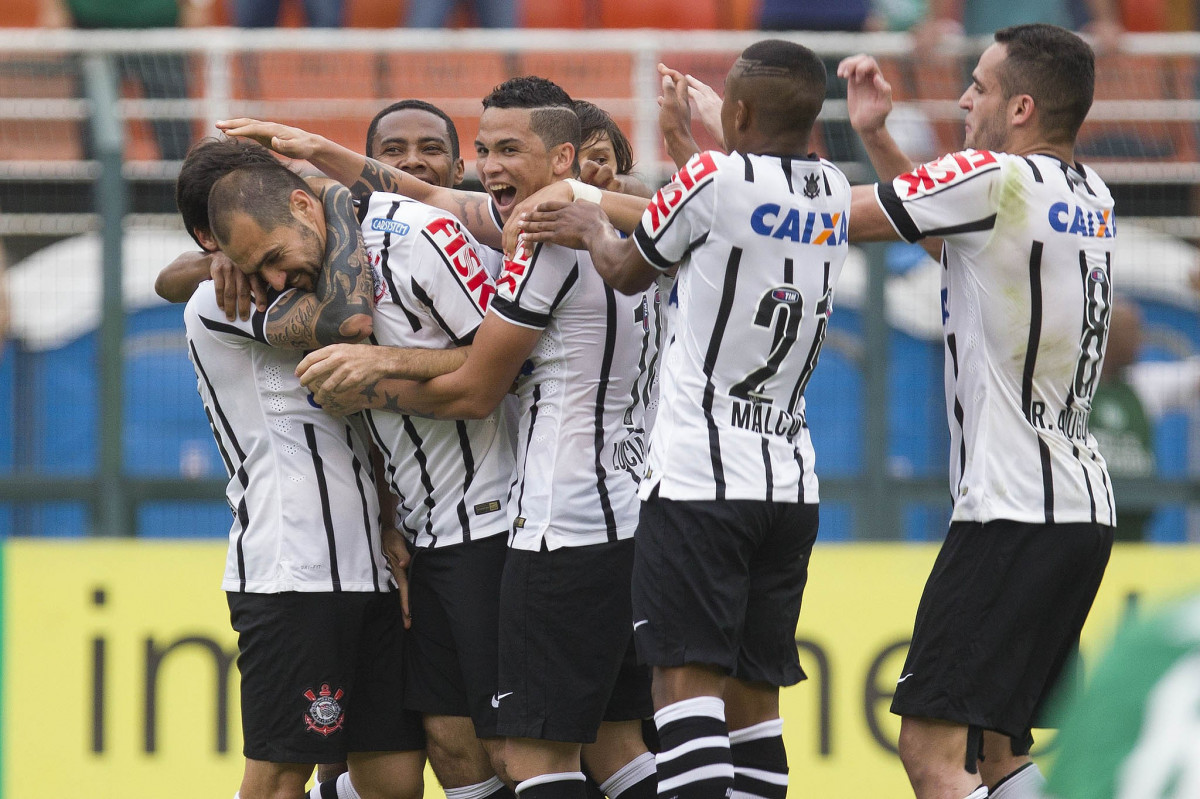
(460, 169)
(562, 159)
(206, 238)
(741, 116)
(1021, 109)
(304, 206)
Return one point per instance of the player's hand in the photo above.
(675, 116)
(395, 552)
(708, 107)
(602, 176)
(236, 291)
(868, 94)
(341, 377)
(568, 224)
(292, 142)
(555, 192)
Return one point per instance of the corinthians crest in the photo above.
(325, 714)
(812, 186)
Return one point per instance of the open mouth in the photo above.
(503, 195)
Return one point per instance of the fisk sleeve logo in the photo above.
(695, 173)
(514, 272)
(448, 237)
(941, 173)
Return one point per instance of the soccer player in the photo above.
(605, 155)
(1027, 290)
(318, 619)
(577, 350)
(729, 512)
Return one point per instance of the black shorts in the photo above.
(720, 583)
(566, 659)
(451, 649)
(321, 676)
(998, 620)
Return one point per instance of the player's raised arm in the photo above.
(364, 175)
(675, 116)
(869, 102)
(623, 211)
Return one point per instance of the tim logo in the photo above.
(390, 226)
(325, 715)
(785, 295)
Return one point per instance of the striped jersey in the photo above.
(762, 240)
(583, 394)
(305, 511)
(432, 288)
(1027, 287)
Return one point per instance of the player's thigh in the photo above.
(565, 623)
(376, 718)
(388, 775)
(690, 580)
(778, 576)
(298, 673)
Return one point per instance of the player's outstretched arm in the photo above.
(624, 211)
(339, 309)
(584, 226)
(472, 391)
(869, 102)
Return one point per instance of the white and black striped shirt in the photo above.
(762, 240)
(583, 394)
(433, 283)
(306, 514)
(1026, 296)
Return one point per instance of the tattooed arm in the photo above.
(364, 175)
(339, 309)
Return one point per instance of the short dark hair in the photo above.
(1054, 67)
(417, 105)
(209, 160)
(552, 114)
(793, 109)
(260, 191)
(594, 122)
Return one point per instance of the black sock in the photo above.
(694, 762)
(760, 767)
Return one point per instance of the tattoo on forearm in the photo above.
(376, 177)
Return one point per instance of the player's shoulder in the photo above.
(952, 170)
(203, 302)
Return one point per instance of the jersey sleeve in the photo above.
(235, 333)
(680, 215)
(533, 285)
(953, 195)
(449, 280)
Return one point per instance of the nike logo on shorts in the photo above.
(905, 677)
(497, 697)
(640, 622)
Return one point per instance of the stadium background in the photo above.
(116, 654)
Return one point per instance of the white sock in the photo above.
(344, 789)
(476, 791)
(1024, 783)
(629, 774)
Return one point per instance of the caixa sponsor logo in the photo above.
(1080, 221)
(772, 220)
(390, 226)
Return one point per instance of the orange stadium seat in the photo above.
(27, 76)
(18, 13)
(585, 75)
(1141, 78)
(658, 14)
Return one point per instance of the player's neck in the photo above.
(1063, 151)
(791, 146)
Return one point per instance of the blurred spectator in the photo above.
(1135, 731)
(163, 76)
(4, 312)
(983, 17)
(487, 13)
(1119, 420)
(265, 13)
